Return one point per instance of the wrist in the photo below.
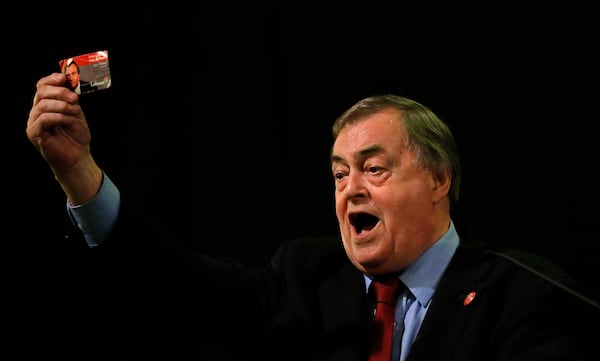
(82, 184)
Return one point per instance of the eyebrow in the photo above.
(363, 153)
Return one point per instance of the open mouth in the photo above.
(363, 221)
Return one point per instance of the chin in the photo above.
(367, 264)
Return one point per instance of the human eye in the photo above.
(339, 173)
(372, 169)
(377, 172)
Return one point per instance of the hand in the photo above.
(58, 129)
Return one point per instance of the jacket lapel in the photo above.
(449, 309)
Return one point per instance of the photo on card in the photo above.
(87, 73)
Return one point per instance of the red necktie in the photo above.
(386, 293)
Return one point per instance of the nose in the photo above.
(355, 185)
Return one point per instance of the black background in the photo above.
(219, 117)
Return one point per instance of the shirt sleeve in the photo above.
(97, 217)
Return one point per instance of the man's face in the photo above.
(388, 207)
(72, 75)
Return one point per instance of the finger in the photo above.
(49, 106)
(48, 121)
(53, 87)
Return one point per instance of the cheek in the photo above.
(340, 205)
(400, 201)
(415, 208)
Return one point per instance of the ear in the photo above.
(441, 182)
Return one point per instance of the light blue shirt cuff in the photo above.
(97, 217)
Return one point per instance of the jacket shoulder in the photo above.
(311, 255)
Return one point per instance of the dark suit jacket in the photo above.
(310, 302)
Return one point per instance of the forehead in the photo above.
(382, 129)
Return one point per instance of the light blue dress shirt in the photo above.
(97, 217)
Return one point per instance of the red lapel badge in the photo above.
(469, 298)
